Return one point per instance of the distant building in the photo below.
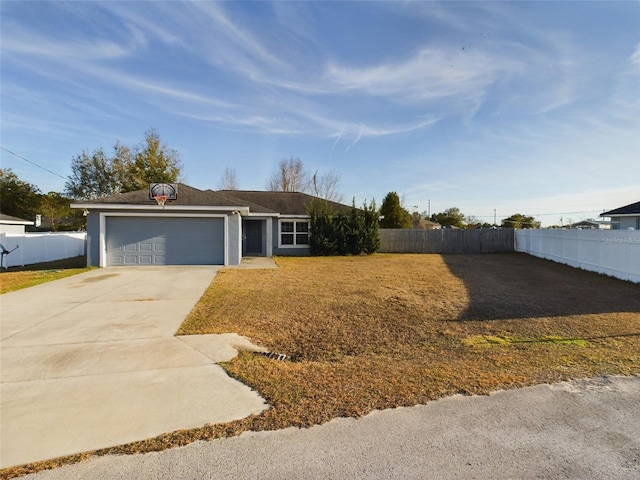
(624, 218)
(590, 225)
(424, 224)
(13, 225)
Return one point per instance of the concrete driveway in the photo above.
(90, 361)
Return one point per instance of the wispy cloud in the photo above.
(338, 136)
(361, 131)
(255, 123)
(242, 51)
(141, 24)
(22, 42)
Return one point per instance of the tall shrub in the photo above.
(322, 237)
(337, 233)
(393, 214)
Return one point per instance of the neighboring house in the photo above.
(13, 225)
(624, 218)
(587, 225)
(197, 228)
(429, 225)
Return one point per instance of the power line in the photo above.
(545, 214)
(33, 163)
(565, 213)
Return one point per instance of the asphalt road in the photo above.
(584, 429)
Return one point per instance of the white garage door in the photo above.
(164, 241)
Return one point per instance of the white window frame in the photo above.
(295, 222)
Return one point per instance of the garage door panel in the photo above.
(164, 241)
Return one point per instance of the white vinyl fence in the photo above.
(42, 247)
(611, 252)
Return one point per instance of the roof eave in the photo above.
(244, 211)
(16, 222)
(609, 214)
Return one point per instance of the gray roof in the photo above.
(10, 219)
(285, 203)
(186, 196)
(631, 209)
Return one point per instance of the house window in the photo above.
(294, 233)
(615, 223)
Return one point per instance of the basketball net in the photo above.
(160, 199)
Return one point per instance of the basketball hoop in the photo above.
(161, 192)
(160, 199)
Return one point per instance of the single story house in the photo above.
(198, 227)
(587, 225)
(624, 218)
(13, 225)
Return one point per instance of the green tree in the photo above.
(451, 217)
(96, 175)
(473, 222)
(153, 162)
(57, 213)
(17, 197)
(392, 214)
(519, 221)
(93, 175)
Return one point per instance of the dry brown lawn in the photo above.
(383, 331)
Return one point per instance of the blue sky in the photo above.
(528, 107)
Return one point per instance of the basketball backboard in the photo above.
(170, 190)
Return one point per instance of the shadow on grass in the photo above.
(517, 285)
(64, 264)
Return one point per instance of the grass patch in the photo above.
(385, 331)
(17, 278)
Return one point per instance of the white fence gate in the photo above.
(42, 247)
(611, 252)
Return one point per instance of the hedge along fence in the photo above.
(447, 240)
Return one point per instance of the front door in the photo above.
(253, 237)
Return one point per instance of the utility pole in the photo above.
(429, 210)
(494, 216)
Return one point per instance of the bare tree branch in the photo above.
(290, 177)
(229, 181)
(326, 186)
